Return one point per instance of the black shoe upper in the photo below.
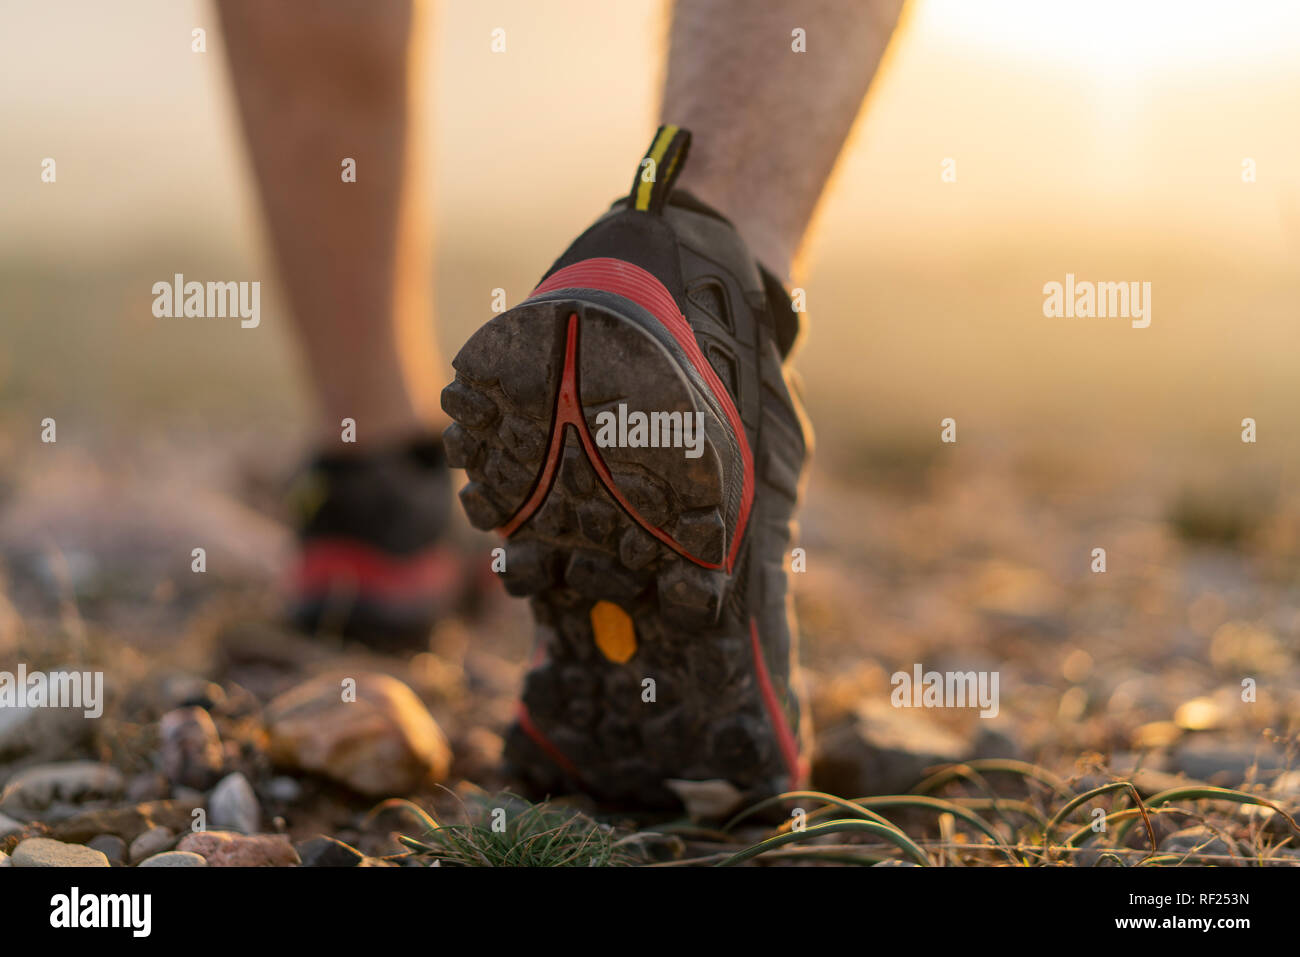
(396, 500)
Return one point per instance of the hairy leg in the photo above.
(768, 122)
(316, 86)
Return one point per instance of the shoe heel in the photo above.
(577, 392)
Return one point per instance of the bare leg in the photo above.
(768, 122)
(316, 86)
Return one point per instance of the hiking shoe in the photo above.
(629, 431)
(372, 564)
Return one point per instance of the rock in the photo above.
(43, 734)
(323, 851)
(1227, 760)
(151, 842)
(706, 800)
(4, 859)
(384, 742)
(224, 849)
(127, 823)
(1200, 839)
(283, 789)
(883, 750)
(128, 526)
(35, 790)
(191, 747)
(234, 805)
(43, 852)
(111, 846)
(174, 859)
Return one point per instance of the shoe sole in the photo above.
(640, 675)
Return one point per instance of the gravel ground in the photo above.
(1179, 663)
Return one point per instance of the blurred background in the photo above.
(1104, 138)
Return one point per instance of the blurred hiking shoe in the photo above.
(630, 432)
(373, 563)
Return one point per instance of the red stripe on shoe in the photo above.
(326, 562)
(775, 713)
(641, 287)
(568, 412)
(566, 407)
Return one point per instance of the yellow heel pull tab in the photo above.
(615, 634)
(659, 168)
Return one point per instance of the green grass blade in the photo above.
(1203, 792)
(939, 805)
(1081, 799)
(977, 779)
(888, 832)
(827, 799)
(1003, 765)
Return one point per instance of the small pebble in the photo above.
(174, 859)
(151, 842)
(111, 846)
(323, 851)
(224, 849)
(284, 789)
(234, 805)
(42, 734)
(190, 747)
(385, 742)
(35, 789)
(43, 852)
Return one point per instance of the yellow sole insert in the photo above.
(615, 634)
